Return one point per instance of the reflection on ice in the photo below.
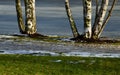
(6, 36)
(41, 53)
(48, 53)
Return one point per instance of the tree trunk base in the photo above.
(36, 35)
(82, 39)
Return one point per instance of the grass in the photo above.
(47, 65)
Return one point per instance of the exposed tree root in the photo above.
(36, 35)
(81, 38)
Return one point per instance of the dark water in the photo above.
(52, 19)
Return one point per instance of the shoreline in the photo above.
(8, 43)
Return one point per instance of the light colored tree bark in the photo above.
(30, 17)
(19, 16)
(71, 20)
(87, 11)
(108, 17)
(100, 19)
(97, 8)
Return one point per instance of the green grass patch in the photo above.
(47, 65)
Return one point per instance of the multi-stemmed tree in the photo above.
(101, 18)
(29, 27)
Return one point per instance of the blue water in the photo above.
(52, 18)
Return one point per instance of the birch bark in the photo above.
(19, 16)
(30, 17)
(71, 20)
(87, 9)
(108, 17)
(100, 19)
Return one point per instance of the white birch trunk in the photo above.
(71, 20)
(30, 17)
(19, 17)
(100, 18)
(108, 17)
(87, 8)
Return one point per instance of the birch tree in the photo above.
(101, 18)
(107, 18)
(29, 27)
(71, 20)
(30, 17)
(87, 18)
(19, 17)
